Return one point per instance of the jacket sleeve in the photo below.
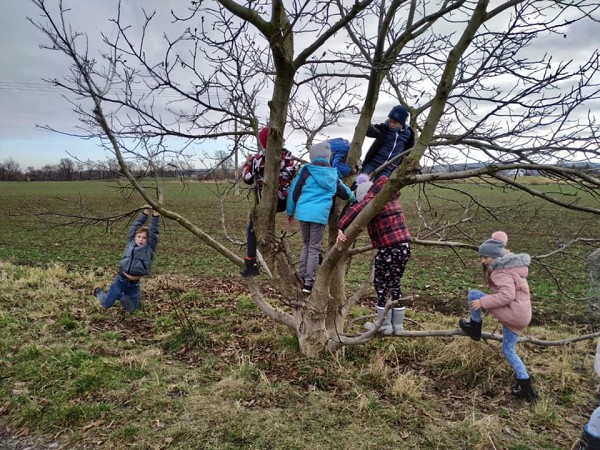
(506, 291)
(373, 132)
(411, 140)
(351, 214)
(343, 191)
(153, 235)
(248, 172)
(295, 190)
(138, 222)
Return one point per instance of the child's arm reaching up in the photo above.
(138, 222)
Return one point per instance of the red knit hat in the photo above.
(263, 137)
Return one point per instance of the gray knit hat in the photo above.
(494, 247)
(320, 150)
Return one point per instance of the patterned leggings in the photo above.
(390, 263)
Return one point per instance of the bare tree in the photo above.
(443, 60)
(10, 170)
(66, 169)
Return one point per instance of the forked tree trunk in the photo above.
(322, 317)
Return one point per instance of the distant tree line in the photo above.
(70, 170)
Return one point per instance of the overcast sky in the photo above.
(27, 101)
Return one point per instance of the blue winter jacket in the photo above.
(312, 192)
(136, 260)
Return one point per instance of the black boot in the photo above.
(471, 329)
(251, 269)
(524, 390)
(588, 442)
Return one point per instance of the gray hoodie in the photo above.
(136, 260)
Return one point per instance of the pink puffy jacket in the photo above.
(511, 301)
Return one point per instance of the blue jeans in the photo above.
(475, 294)
(509, 348)
(122, 289)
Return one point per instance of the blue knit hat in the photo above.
(399, 113)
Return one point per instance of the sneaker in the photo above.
(96, 290)
(251, 269)
(306, 289)
(127, 304)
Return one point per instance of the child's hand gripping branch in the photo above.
(136, 262)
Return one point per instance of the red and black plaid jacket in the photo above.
(254, 171)
(385, 229)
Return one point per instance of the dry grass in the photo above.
(102, 379)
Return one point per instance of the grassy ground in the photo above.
(199, 367)
(437, 277)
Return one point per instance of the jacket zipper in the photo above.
(393, 148)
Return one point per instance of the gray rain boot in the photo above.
(386, 326)
(398, 320)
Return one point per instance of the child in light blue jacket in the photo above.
(310, 200)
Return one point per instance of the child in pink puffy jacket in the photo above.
(510, 303)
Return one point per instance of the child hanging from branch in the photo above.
(135, 263)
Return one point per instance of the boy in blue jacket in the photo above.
(135, 263)
(310, 200)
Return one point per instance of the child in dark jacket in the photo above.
(135, 263)
(392, 138)
(510, 304)
(310, 200)
(391, 237)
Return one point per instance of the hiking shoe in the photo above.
(127, 304)
(251, 269)
(306, 289)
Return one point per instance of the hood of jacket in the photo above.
(323, 174)
(510, 261)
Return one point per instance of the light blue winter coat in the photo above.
(312, 191)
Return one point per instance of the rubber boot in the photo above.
(398, 320)
(471, 328)
(588, 441)
(524, 390)
(251, 269)
(386, 325)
